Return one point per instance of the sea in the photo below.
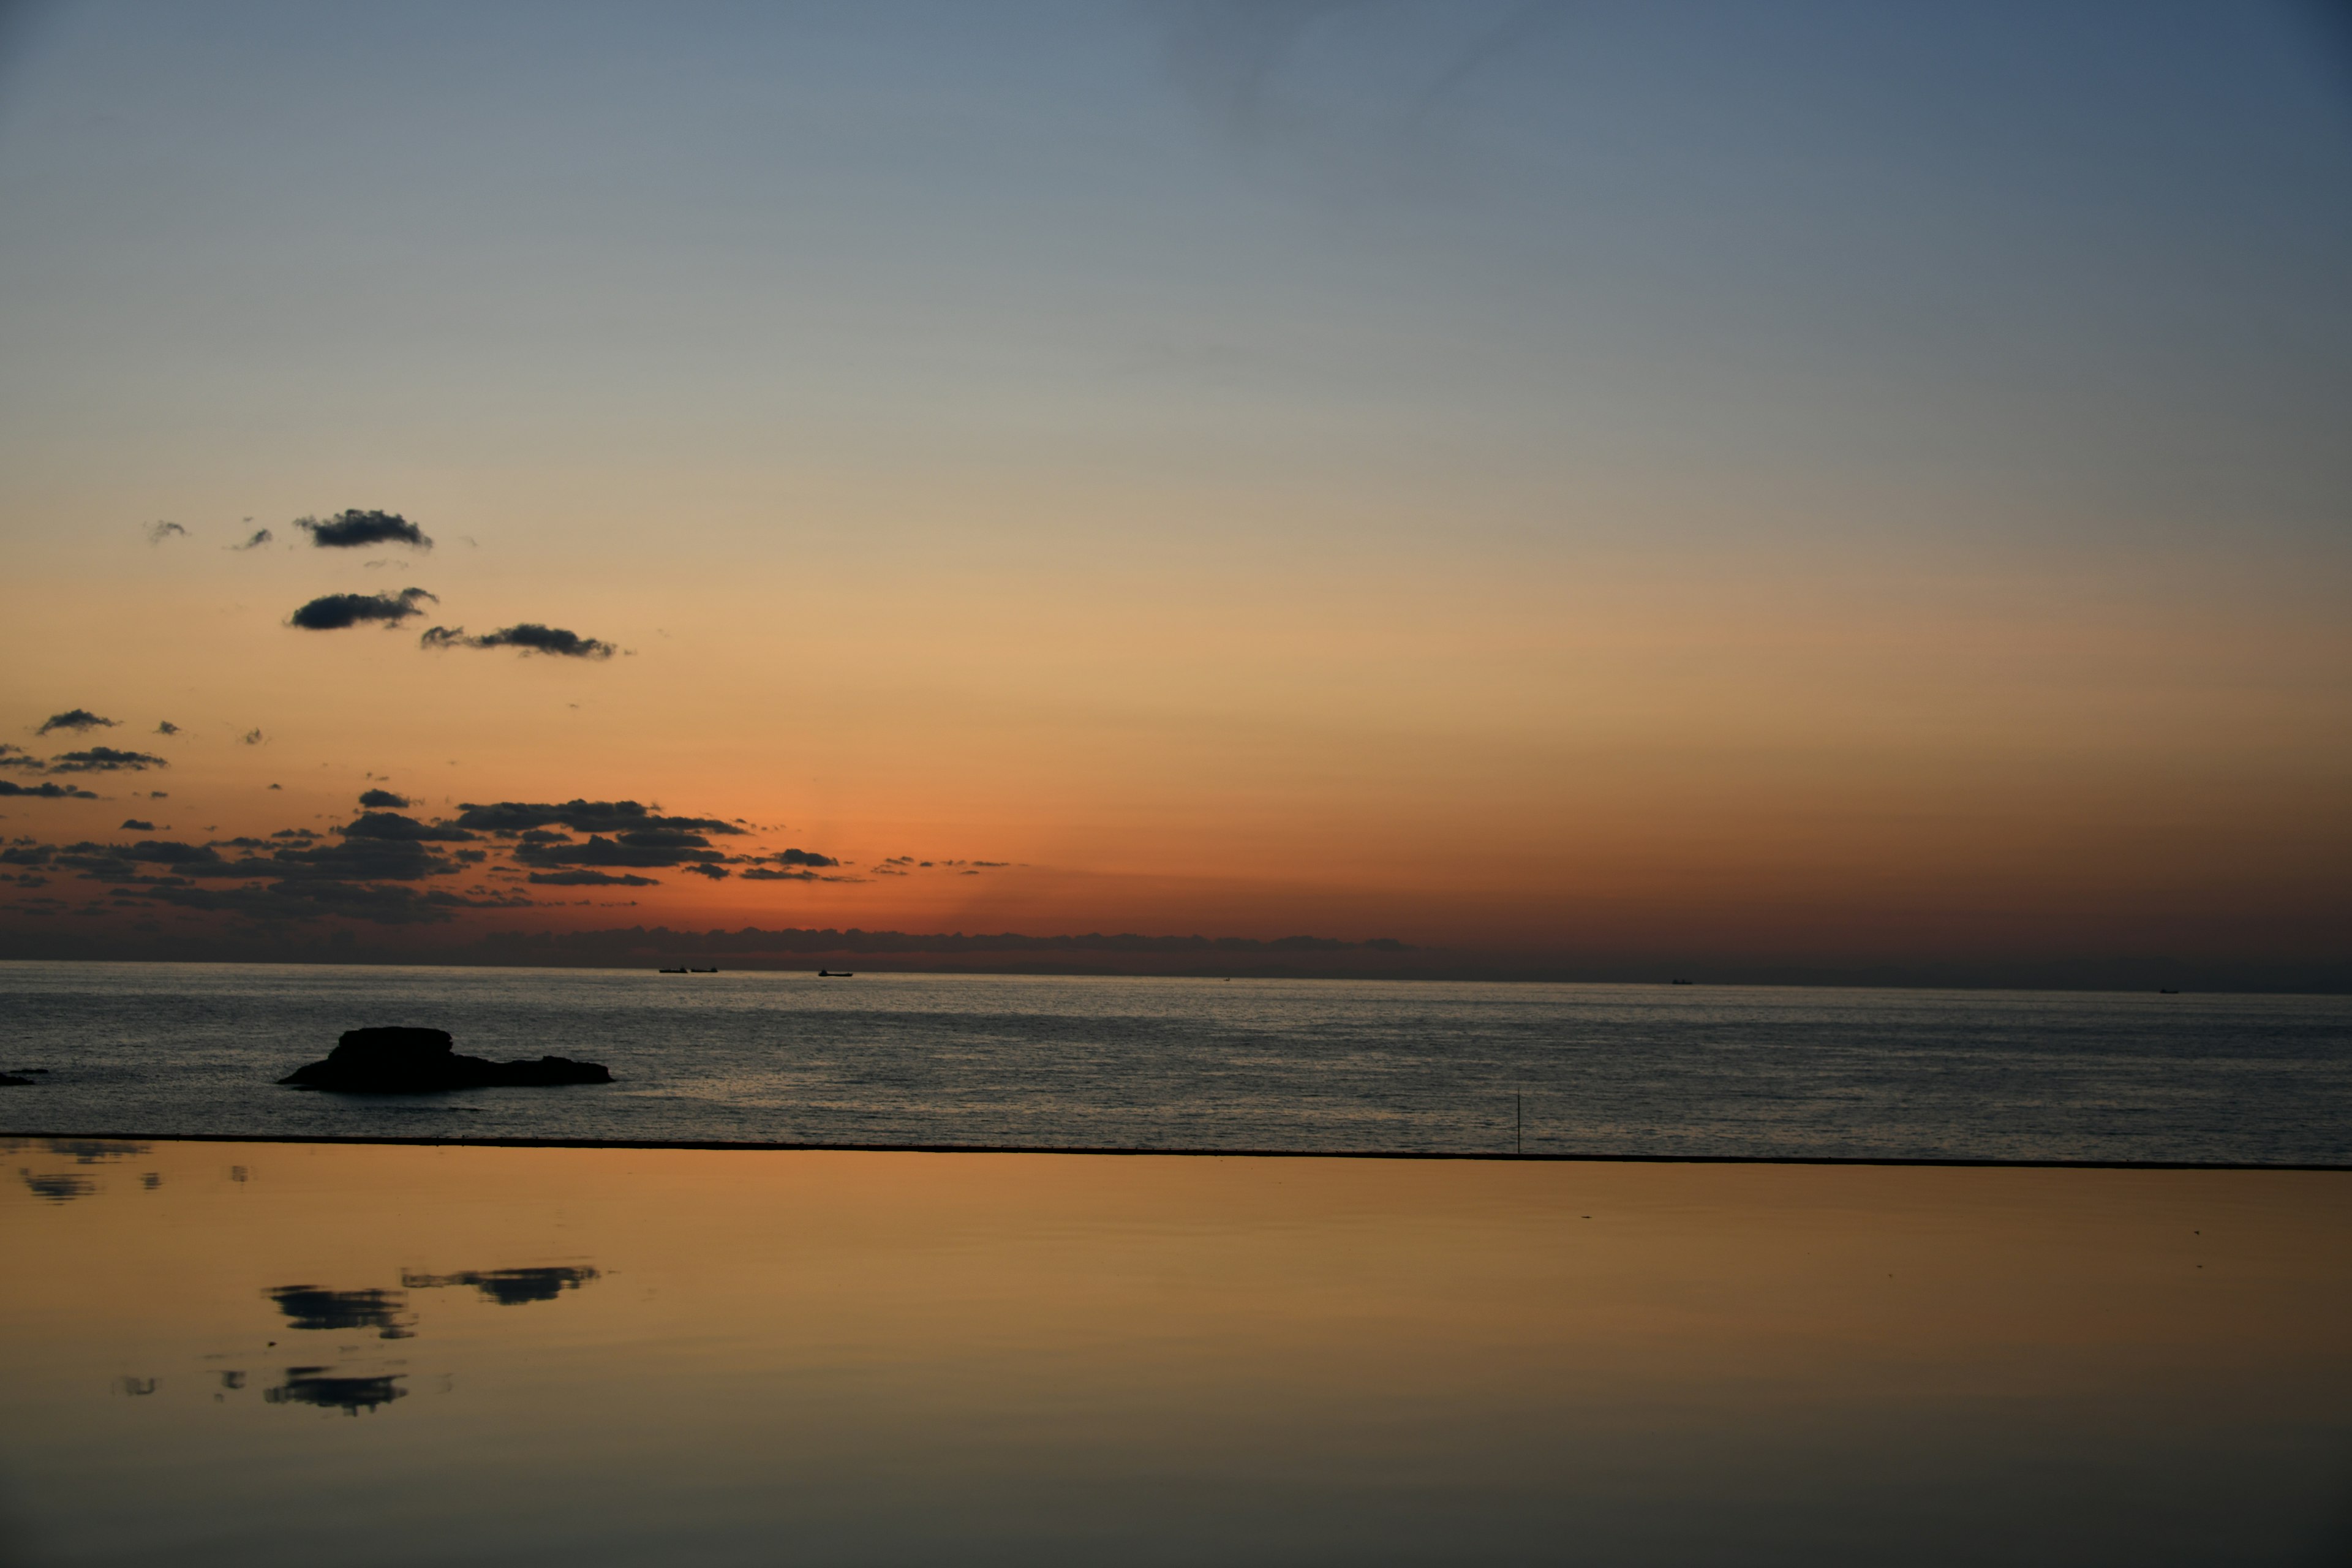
(1265, 1066)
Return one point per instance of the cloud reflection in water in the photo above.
(507, 1286)
(56, 1187)
(314, 1385)
(312, 1307)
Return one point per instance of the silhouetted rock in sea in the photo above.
(10, 1080)
(420, 1061)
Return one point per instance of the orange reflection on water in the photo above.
(262, 1353)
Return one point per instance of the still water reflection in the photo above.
(288, 1353)
(318, 1385)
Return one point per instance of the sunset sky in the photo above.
(1785, 489)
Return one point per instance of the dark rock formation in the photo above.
(420, 1061)
(10, 1080)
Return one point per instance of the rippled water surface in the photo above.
(158, 1049)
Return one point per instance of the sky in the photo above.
(1586, 490)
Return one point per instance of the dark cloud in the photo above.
(391, 825)
(44, 791)
(133, 825)
(582, 817)
(165, 727)
(362, 859)
(105, 760)
(762, 874)
(171, 852)
(704, 868)
(300, 862)
(530, 636)
(383, 797)
(357, 530)
(26, 854)
(121, 862)
(254, 738)
(159, 531)
(333, 612)
(656, 847)
(17, 757)
(449, 900)
(592, 879)
(77, 720)
(663, 838)
(307, 901)
(802, 858)
(261, 536)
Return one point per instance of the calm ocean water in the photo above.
(159, 1049)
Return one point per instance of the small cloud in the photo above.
(333, 612)
(105, 760)
(17, 757)
(261, 536)
(802, 858)
(357, 530)
(716, 873)
(376, 799)
(133, 825)
(592, 879)
(167, 728)
(44, 791)
(74, 718)
(252, 737)
(159, 531)
(157, 794)
(530, 636)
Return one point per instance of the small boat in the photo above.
(2162, 991)
(834, 974)
(711, 971)
(674, 972)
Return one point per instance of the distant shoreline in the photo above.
(2288, 981)
(750, 1146)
